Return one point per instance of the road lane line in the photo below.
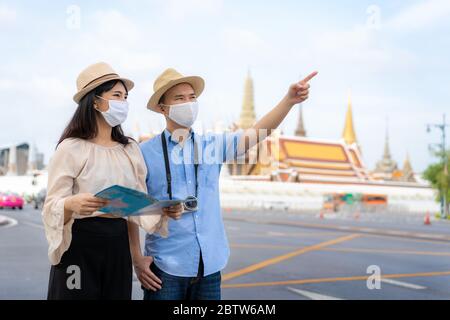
(312, 295)
(276, 234)
(402, 284)
(425, 253)
(408, 239)
(386, 232)
(260, 246)
(289, 235)
(265, 263)
(336, 279)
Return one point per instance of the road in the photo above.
(276, 255)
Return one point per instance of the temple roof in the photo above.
(315, 158)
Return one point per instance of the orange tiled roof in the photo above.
(321, 159)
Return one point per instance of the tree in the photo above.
(439, 179)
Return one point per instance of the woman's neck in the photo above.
(103, 134)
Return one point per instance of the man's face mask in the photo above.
(184, 114)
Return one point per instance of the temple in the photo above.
(304, 159)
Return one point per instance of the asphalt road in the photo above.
(276, 255)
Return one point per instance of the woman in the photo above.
(89, 251)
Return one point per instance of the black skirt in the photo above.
(97, 264)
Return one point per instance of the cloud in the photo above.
(108, 36)
(46, 92)
(237, 40)
(361, 46)
(424, 14)
(181, 9)
(7, 14)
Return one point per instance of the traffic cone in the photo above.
(426, 220)
(321, 214)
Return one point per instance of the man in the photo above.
(187, 264)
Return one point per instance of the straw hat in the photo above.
(169, 79)
(95, 75)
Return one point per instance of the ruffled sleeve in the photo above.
(64, 167)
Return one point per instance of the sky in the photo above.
(392, 55)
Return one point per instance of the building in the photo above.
(304, 159)
(19, 159)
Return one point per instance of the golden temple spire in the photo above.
(407, 171)
(387, 152)
(349, 135)
(407, 164)
(248, 117)
(300, 130)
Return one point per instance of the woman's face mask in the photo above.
(117, 112)
(184, 114)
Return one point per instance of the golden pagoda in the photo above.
(348, 134)
(248, 116)
(386, 168)
(300, 131)
(247, 164)
(407, 171)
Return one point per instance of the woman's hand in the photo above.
(174, 212)
(147, 278)
(84, 204)
(299, 92)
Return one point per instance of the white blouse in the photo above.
(81, 166)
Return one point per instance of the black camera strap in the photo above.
(167, 164)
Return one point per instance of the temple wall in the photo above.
(243, 194)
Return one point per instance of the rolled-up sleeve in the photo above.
(62, 170)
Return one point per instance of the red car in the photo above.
(11, 201)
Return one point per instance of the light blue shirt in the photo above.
(202, 230)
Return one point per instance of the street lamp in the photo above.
(442, 127)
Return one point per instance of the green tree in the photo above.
(439, 180)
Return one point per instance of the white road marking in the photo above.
(312, 295)
(277, 234)
(32, 224)
(11, 222)
(402, 284)
(367, 230)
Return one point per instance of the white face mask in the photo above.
(184, 114)
(117, 112)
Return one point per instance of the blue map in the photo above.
(129, 202)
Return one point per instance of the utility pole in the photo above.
(443, 145)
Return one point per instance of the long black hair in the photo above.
(83, 124)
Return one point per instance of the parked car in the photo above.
(11, 200)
